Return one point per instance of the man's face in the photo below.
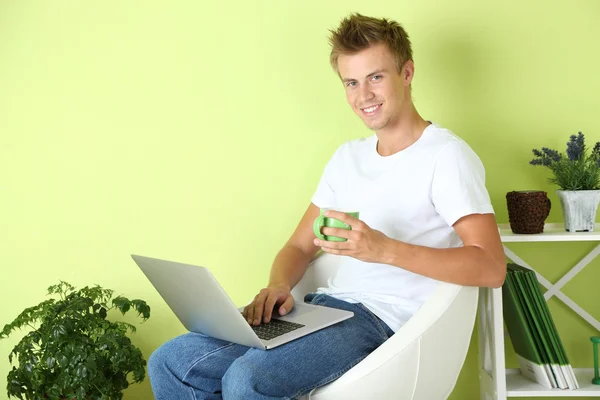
(374, 88)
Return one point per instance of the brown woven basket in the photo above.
(527, 210)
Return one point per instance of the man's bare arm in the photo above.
(480, 262)
(288, 268)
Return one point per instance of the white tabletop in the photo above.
(552, 233)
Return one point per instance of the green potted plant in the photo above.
(71, 350)
(578, 176)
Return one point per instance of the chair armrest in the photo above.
(394, 380)
(435, 339)
(434, 307)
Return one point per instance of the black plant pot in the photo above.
(527, 210)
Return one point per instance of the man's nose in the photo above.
(366, 93)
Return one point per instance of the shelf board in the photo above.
(519, 386)
(552, 233)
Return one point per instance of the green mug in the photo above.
(330, 222)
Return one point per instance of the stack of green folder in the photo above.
(540, 351)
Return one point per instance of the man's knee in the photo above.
(244, 380)
(168, 357)
(158, 360)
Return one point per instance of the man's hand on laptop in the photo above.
(261, 308)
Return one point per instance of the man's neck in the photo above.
(402, 134)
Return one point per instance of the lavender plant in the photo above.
(578, 170)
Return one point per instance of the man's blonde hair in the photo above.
(358, 32)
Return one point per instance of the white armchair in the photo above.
(421, 361)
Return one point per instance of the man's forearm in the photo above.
(469, 265)
(289, 267)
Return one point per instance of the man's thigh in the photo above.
(297, 367)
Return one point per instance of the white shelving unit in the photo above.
(496, 381)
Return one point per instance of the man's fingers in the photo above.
(250, 312)
(261, 308)
(341, 216)
(339, 232)
(287, 306)
(258, 308)
(326, 244)
(269, 305)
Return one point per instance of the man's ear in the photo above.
(408, 72)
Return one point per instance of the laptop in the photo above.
(202, 306)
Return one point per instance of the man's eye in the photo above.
(351, 84)
(377, 77)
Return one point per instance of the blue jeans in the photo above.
(194, 366)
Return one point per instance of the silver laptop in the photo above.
(202, 306)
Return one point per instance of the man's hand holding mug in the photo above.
(342, 233)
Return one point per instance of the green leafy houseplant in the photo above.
(72, 351)
(578, 170)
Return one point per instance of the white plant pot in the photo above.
(579, 209)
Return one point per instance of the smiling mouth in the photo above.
(371, 109)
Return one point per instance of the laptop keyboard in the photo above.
(274, 328)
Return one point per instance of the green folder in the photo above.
(554, 336)
(543, 348)
(539, 308)
(541, 327)
(528, 319)
(533, 361)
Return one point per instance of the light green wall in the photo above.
(197, 131)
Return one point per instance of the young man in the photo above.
(425, 215)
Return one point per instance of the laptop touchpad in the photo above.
(298, 310)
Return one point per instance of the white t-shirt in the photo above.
(414, 196)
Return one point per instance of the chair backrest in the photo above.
(322, 267)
